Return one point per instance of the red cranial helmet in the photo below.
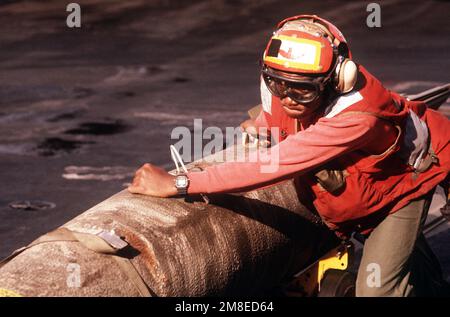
(308, 45)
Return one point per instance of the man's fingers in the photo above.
(135, 189)
(248, 126)
(137, 180)
(252, 131)
(143, 169)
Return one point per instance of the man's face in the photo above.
(300, 97)
(299, 111)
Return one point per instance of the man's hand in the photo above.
(249, 126)
(154, 181)
(253, 136)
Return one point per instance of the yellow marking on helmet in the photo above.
(309, 46)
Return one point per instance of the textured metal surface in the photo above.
(236, 244)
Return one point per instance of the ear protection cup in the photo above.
(346, 76)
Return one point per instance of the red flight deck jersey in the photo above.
(359, 141)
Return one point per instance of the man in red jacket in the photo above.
(366, 159)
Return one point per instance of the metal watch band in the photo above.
(181, 190)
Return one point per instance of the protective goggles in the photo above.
(300, 91)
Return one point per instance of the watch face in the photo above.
(181, 181)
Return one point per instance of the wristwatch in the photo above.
(181, 183)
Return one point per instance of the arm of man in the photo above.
(299, 153)
(307, 149)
